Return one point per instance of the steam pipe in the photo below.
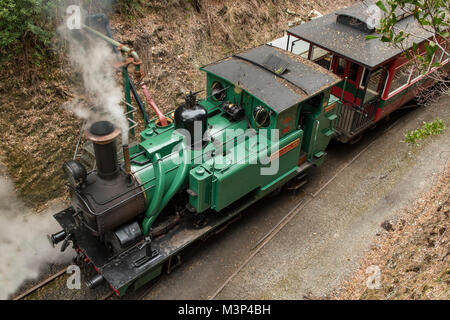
(153, 211)
(179, 178)
(139, 102)
(57, 237)
(137, 62)
(162, 118)
(115, 43)
(160, 175)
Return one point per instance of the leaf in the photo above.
(380, 5)
(436, 64)
(371, 37)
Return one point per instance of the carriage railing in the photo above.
(354, 118)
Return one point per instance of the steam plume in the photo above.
(25, 250)
(94, 59)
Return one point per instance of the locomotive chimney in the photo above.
(103, 135)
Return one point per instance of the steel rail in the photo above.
(41, 284)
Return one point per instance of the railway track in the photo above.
(108, 296)
(47, 281)
(41, 284)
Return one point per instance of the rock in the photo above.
(386, 225)
(413, 269)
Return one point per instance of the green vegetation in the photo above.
(26, 22)
(27, 27)
(427, 129)
(432, 15)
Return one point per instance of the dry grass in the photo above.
(414, 257)
(37, 134)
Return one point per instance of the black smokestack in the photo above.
(103, 134)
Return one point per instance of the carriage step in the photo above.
(331, 117)
(319, 154)
(328, 132)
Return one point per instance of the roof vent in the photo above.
(354, 22)
(275, 64)
(359, 14)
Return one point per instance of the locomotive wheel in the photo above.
(200, 220)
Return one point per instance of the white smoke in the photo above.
(94, 59)
(24, 248)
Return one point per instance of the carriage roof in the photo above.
(276, 77)
(344, 32)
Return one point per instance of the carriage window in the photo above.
(362, 83)
(218, 92)
(401, 77)
(353, 73)
(321, 57)
(299, 47)
(437, 56)
(340, 69)
(374, 84)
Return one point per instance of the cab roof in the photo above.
(278, 78)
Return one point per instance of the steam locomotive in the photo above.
(268, 116)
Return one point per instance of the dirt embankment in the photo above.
(413, 254)
(173, 39)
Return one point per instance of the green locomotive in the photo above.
(267, 117)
